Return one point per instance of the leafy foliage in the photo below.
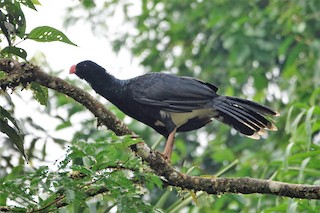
(13, 23)
(14, 133)
(86, 170)
(40, 93)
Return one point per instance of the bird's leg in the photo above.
(169, 145)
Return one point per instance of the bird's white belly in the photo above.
(180, 118)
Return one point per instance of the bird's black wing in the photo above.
(173, 93)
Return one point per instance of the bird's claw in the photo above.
(165, 157)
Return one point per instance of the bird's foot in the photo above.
(167, 152)
(166, 157)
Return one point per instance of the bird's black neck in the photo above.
(106, 85)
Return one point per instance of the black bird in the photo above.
(171, 104)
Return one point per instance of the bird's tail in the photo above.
(245, 116)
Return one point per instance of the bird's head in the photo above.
(87, 70)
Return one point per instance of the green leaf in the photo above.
(4, 26)
(15, 137)
(283, 48)
(301, 170)
(128, 141)
(152, 181)
(36, 2)
(292, 207)
(260, 82)
(70, 195)
(315, 97)
(88, 4)
(63, 125)
(287, 155)
(82, 169)
(194, 198)
(296, 121)
(15, 17)
(3, 199)
(15, 51)
(288, 120)
(48, 34)
(28, 3)
(40, 93)
(309, 127)
(4, 114)
(2, 74)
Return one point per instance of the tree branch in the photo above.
(21, 73)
